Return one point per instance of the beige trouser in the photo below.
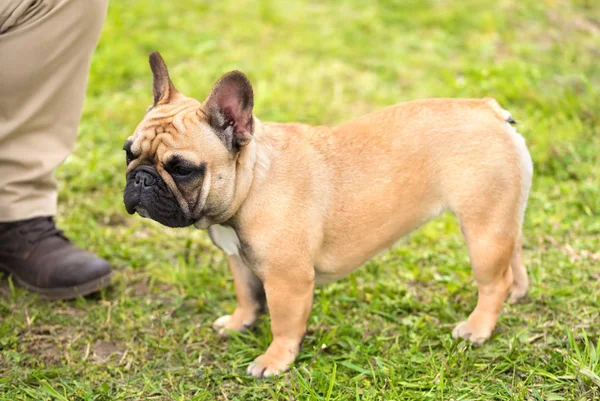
(45, 51)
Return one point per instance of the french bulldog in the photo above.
(294, 205)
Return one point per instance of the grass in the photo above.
(384, 332)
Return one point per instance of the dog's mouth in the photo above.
(142, 211)
(168, 217)
(170, 221)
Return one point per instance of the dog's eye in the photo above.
(181, 171)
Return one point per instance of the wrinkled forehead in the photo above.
(169, 128)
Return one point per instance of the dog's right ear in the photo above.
(162, 87)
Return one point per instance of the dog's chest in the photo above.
(225, 238)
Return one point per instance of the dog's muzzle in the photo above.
(147, 194)
(138, 181)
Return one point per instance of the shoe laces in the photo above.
(38, 229)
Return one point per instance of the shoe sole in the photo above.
(66, 293)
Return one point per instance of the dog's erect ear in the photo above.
(229, 109)
(162, 87)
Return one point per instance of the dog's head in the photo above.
(181, 159)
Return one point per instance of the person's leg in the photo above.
(45, 62)
(46, 47)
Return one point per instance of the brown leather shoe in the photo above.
(42, 259)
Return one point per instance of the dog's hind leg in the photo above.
(520, 279)
(491, 246)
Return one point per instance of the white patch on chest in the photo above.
(225, 238)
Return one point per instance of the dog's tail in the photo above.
(502, 113)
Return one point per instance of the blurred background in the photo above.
(386, 328)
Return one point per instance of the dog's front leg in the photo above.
(289, 298)
(250, 296)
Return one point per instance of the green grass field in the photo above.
(384, 332)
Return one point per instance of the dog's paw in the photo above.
(517, 294)
(227, 323)
(476, 333)
(265, 366)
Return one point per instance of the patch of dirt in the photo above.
(44, 342)
(102, 351)
(141, 289)
(44, 348)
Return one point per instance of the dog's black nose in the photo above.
(144, 179)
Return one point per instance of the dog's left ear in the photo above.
(229, 110)
(162, 87)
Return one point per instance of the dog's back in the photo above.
(393, 170)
